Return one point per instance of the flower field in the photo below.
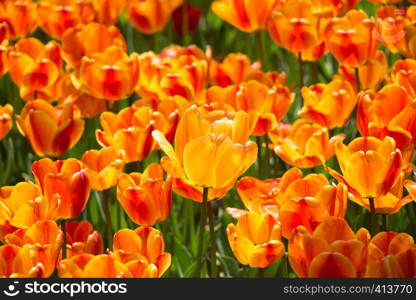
(207, 139)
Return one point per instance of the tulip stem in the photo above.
(301, 71)
(106, 203)
(202, 222)
(374, 223)
(260, 47)
(267, 156)
(259, 158)
(357, 79)
(213, 241)
(261, 273)
(64, 249)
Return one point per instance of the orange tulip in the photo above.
(40, 247)
(332, 250)
(103, 167)
(294, 200)
(403, 74)
(81, 238)
(56, 16)
(371, 74)
(20, 16)
(296, 27)
(308, 201)
(108, 11)
(146, 198)
(208, 154)
(270, 103)
(6, 122)
(255, 240)
(411, 188)
(389, 112)
(34, 65)
(248, 16)
(130, 130)
(351, 40)
(85, 40)
(307, 145)
(391, 255)
(3, 56)
(66, 178)
(329, 105)
(23, 205)
(390, 28)
(60, 127)
(90, 266)
(111, 75)
(372, 169)
(142, 250)
(234, 69)
(151, 16)
(13, 263)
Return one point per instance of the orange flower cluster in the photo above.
(217, 119)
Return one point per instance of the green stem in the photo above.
(106, 203)
(374, 223)
(267, 156)
(261, 273)
(357, 79)
(64, 247)
(259, 158)
(260, 47)
(202, 223)
(301, 71)
(384, 216)
(213, 241)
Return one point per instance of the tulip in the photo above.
(85, 40)
(50, 130)
(403, 74)
(90, 266)
(234, 69)
(34, 65)
(146, 198)
(21, 17)
(389, 112)
(6, 122)
(226, 154)
(329, 105)
(391, 255)
(13, 264)
(111, 75)
(66, 178)
(151, 16)
(307, 145)
(295, 27)
(373, 171)
(107, 12)
(255, 240)
(332, 250)
(247, 16)
(40, 246)
(252, 96)
(130, 130)
(55, 17)
(186, 19)
(350, 39)
(411, 188)
(144, 244)
(23, 205)
(81, 238)
(103, 167)
(370, 75)
(293, 200)
(3, 56)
